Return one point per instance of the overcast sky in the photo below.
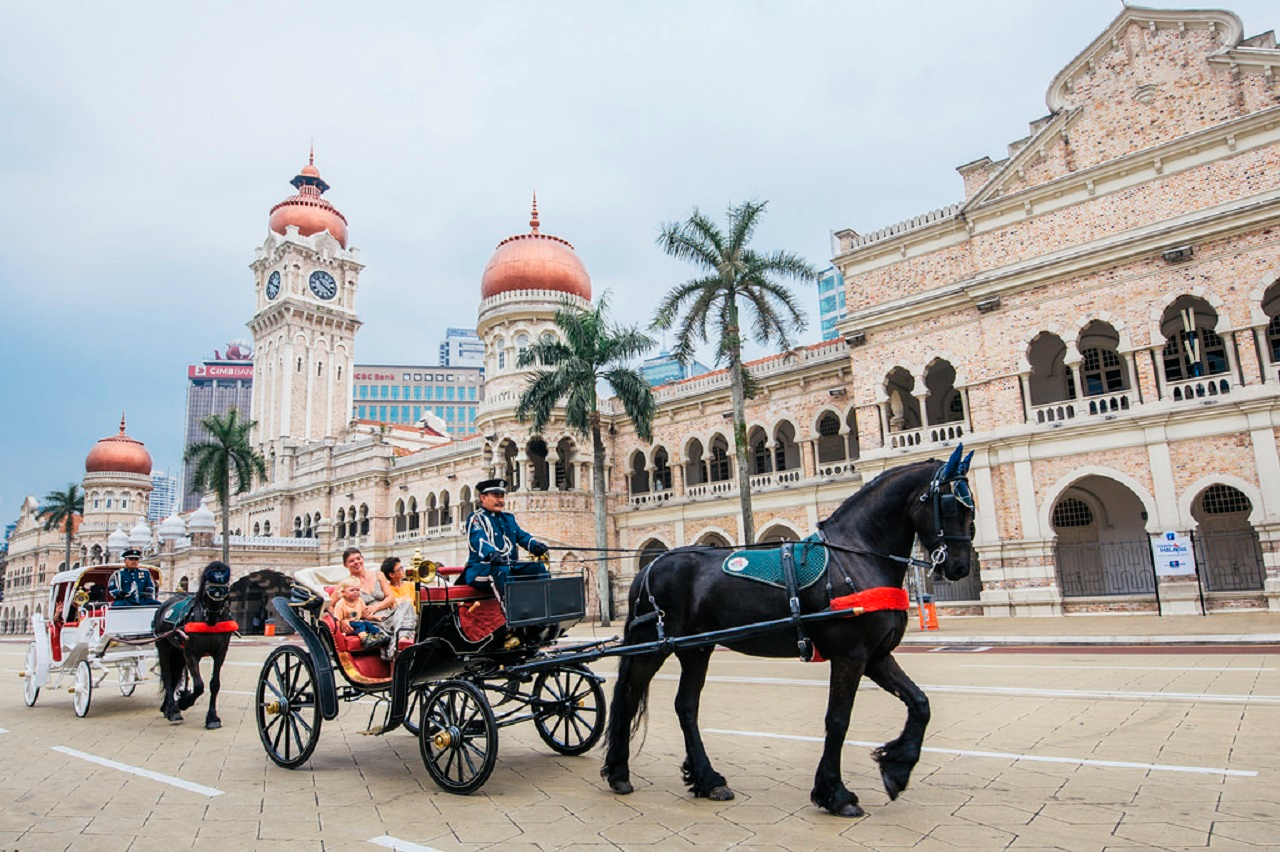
(142, 146)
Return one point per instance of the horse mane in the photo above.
(877, 486)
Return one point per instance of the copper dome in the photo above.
(118, 454)
(311, 213)
(535, 261)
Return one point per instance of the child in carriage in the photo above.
(352, 615)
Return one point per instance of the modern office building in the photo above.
(830, 301)
(663, 368)
(400, 395)
(461, 348)
(215, 387)
(164, 495)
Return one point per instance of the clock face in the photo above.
(323, 285)
(273, 285)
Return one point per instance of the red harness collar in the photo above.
(871, 600)
(220, 627)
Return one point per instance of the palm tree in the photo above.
(735, 278)
(592, 351)
(59, 511)
(227, 455)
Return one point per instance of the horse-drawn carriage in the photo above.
(477, 662)
(837, 596)
(86, 639)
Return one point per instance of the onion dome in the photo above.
(117, 541)
(535, 261)
(202, 520)
(172, 528)
(140, 535)
(118, 454)
(311, 213)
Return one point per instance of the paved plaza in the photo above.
(1032, 747)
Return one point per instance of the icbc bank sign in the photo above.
(220, 371)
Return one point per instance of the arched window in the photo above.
(661, 470)
(446, 512)
(266, 528)
(944, 402)
(500, 346)
(758, 451)
(565, 456)
(718, 468)
(1072, 513)
(536, 451)
(414, 518)
(1193, 347)
(1050, 379)
(830, 442)
(786, 452)
(650, 551)
(903, 407)
(402, 520)
(364, 519)
(695, 466)
(639, 478)
(297, 526)
(257, 529)
(1271, 307)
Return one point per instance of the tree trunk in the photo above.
(602, 532)
(737, 393)
(68, 568)
(224, 497)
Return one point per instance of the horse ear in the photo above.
(964, 465)
(949, 469)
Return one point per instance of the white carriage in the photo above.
(87, 640)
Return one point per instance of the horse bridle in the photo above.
(946, 505)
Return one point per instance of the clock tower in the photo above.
(304, 323)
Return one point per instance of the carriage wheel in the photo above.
(83, 689)
(459, 737)
(134, 672)
(30, 689)
(568, 709)
(287, 708)
(412, 714)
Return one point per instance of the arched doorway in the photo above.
(251, 598)
(1102, 546)
(1228, 553)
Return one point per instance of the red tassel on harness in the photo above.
(871, 600)
(203, 627)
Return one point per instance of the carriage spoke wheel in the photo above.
(130, 674)
(30, 688)
(413, 713)
(287, 707)
(82, 689)
(569, 709)
(459, 737)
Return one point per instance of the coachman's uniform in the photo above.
(132, 586)
(493, 538)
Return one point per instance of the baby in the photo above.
(350, 611)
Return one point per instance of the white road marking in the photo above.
(145, 773)
(1015, 691)
(4, 730)
(396, 843)
(1118, 668)
(1082, 761)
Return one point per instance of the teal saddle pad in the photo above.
(765, 566)
(180, 612)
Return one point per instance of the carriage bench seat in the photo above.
(350, 643)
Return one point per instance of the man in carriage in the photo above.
(132, 585)
(493, 536)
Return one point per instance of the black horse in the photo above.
(869, 539)
(188, 629)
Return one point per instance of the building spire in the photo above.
(533, 220)
(122, 422)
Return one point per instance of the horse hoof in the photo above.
(850, 810)
(892, 787)
(174, 718)
(622, 788)
(213, 725)
(720, 794)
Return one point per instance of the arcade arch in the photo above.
(1102, 547)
